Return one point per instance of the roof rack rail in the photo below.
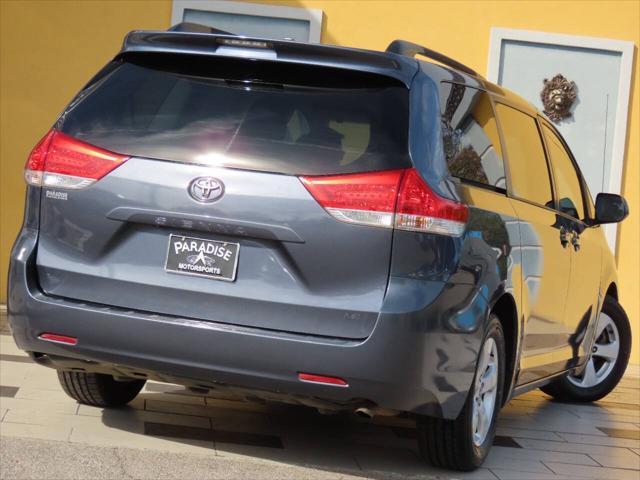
(190, 27)
(409, 49)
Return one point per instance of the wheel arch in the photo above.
(612, 291)
(506, 311)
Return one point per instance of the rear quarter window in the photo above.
(470, 135)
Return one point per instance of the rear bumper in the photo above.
(417, 359)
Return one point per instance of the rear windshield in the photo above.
(253, 115)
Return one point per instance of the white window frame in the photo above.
(313, 16)
(624, 48)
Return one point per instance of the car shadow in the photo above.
(232, 427)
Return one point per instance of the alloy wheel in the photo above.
(485, 391)
(604, 354)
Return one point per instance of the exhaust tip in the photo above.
(364, 412)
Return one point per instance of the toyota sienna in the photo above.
(339, 228)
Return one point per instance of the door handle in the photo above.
(575, 241)
(564, 237)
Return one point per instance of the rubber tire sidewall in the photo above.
(97, 389)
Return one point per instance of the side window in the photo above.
(470, 134)
(528, 168)
(568, 189)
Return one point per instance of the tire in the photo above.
(453, 444)
(607, 371)
(97, 389)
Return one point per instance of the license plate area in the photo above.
(202, 258)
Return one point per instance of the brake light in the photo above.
(392, 198)
(420, 209)
(61, 161)
(363, 198)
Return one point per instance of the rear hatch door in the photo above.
(207, 217)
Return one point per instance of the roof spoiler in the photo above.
(195, 39)
(189, 27)
(409, 49)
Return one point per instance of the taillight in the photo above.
(420, 209)
(363, 198)
(392, 198)
(61, 161)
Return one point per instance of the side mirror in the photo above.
(610, 208)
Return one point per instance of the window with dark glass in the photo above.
(568, 189)
(471, 141)
(528, 169)
(265, 116)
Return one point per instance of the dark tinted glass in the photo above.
(289, 119)
(471, 142)
(568, 187)
(527, 162)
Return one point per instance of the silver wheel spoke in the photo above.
(608, 351)
(487, 408)
(603, 322)
(491, 380)
(589, 378)
(482, 366)
(482, 419)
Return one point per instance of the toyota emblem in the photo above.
(206, 189)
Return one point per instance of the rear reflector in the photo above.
(310, 377)
(392, 198)
(61, 161)
(55, 338)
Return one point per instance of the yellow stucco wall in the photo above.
(48, 49)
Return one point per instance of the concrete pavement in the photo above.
(167, 432)
(47, 459)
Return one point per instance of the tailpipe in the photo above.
(370, 412)
(364, 412)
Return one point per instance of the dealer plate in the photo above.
(203, 258)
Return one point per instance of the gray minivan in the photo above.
(339, 228)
